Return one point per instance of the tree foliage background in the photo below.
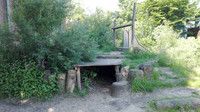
(49, 35)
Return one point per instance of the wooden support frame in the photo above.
(127, 25)
(133, 23)
(78, 77)
(117, 73)
(123, 26)
(114, 36)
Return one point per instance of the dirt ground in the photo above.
(98, 100)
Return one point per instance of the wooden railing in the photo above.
(132, 25)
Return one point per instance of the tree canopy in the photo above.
(176, 12)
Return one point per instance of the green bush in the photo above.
(181, 55)
(24, 80)
(40, 38)
(34, 17)
(67, 48)
(99, 29)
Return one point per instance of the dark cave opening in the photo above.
(105, 74)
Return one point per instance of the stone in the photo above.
(147, 69)
(119, 89)
(125, 71)
(178, 102)
(166, 72)
(123, 74)
(71, 80)
(133, 73)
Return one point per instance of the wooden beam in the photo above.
(117, 73)
(133, 23)
(8, 13)
(114, 33)
(123, 26)
(78, 75)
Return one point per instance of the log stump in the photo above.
(119, 89)
(71, 80)
(61, 82)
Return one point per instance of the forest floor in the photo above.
(98, 100)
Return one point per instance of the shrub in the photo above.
(40, 38)
(68, 48)
(39, 17)
(24, 80)
(99, 29)
(182, 55)
(165, 37)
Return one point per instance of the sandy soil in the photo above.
(99, 100)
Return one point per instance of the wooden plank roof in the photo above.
(101, 62)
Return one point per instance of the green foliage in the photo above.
(24, 80)
(175, 11)
(185, 108)
(99, 29)
(67, 48)
(165, 37)
(40, 17)
(183, 58)
(134, 59)
(160, 11)
(182, 55)
(86, 77)
(153, 13)
(40, 38)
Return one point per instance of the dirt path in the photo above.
(99, 100)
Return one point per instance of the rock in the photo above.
(124, 73)
(147, 69)
(119, 89)
(121, 75)
(176, 82)
(178, 102)
(166, 72)
(133, 73)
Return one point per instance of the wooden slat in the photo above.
(101, 62)
(114, 28)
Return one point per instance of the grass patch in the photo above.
(146, 85)
(186, 108)
(134, 59)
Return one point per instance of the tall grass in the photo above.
(181, 55)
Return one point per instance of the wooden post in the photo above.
(114, 36)
(8, 13)
(117, 73)
(117, 69)
(78, 74)
(133, 24)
